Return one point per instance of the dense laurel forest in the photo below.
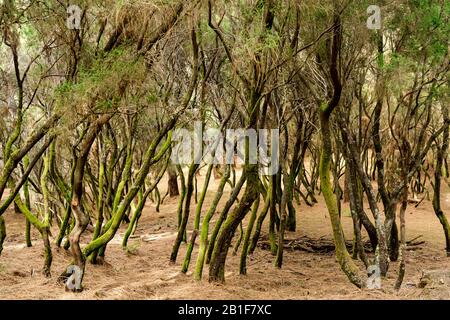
(94, 95)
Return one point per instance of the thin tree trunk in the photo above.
(342, 255)
(26, 193)
(187, 207)
(259, 223)
(221, 246)
(273, 215)
(441, 152)
(248, 232)
(223, 216)
(172, 182)
(198, 211)
(205, 225)
(283, 218)
(401, 272)
(2, 233)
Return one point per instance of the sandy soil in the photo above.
(147, 274)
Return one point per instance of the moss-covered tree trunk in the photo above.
(283, 217)
(246, 242)
(273, 214)
(81, 217)
(48, 257)
(117, 217)
(65, 227)
(198, 211)
(342, 255)
(379, 162)
(205, 225)
(121, 189)
(186, 211)
(219, 254)
(223, 215)
(2, 232)
(346, 263)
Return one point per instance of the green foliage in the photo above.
(426, 24)
(103, 84)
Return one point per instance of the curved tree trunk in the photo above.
(441, 152)
(342, 255)
(219, 254)
(205, 225)
(172, 183)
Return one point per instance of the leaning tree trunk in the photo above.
(381, 251)
(100, 198)
(142, 195)
(298, 156)
(342, 255)
(186, 211)
(198, 211)
(441, 152)
(283, 218)
(219, 254)
(81, 217)
(26, 193)
(205, 225)
(245, 244)
(402, 264)
(172, 183)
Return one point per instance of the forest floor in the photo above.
(145, 271)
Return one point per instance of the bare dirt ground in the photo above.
(147, 274)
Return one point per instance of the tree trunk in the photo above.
(187, 206)
(2, 233)
(441, 152)
(248, 232)
(205, 225)
(342, 255)
(219, 254)
(172, 183)
(198, 211)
